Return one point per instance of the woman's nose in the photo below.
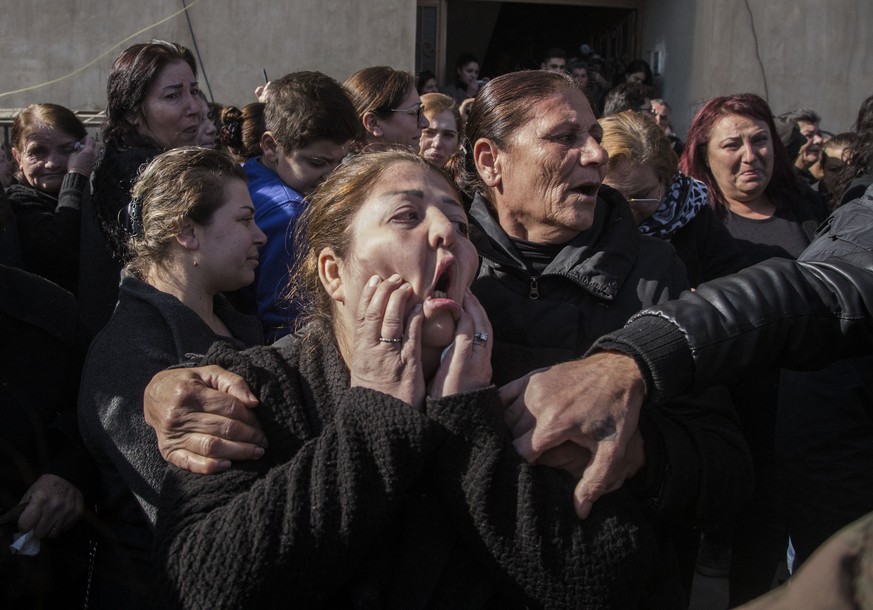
(56, 159)
(593, 153)
(442, 231)
(260, 237)
(423, 123)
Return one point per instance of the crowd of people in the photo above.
(328, 346)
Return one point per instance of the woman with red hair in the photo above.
(732, 148)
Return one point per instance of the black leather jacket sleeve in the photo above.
(795, 314)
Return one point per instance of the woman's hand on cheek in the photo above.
(466, 365)
(387, 348)
(82, 160)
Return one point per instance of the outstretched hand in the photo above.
(203, 418)
(594, 402)
(387, 342)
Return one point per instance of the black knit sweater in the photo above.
(364, 501)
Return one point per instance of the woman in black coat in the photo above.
(153, 104)
(54, 158)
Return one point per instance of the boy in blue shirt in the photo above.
(310, 122)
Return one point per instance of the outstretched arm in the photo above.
(594, 403)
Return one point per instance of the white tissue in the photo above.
(25, 544)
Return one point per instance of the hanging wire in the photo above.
(197, 50)
(102, 55)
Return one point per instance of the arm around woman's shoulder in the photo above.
(299, 523)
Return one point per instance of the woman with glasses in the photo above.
(388, 106)
(665, 203)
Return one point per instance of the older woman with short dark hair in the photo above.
(54, 156)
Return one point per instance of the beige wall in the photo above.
(815, 54)
(41, 40)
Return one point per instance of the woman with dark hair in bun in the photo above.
(194, 238)
(241, 130)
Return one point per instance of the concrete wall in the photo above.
(813, 54)
(41, 40)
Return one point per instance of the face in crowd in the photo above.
(171, 112)
(543, 179)
(409, 227)
(740, 156)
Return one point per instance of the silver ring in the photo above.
(480, 337)
(77, 146)
(385, 340)
(53, 531)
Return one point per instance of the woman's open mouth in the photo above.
(587, 189)
(442, 293)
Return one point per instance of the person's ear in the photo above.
(135, 119)
(187, 237)
(330, 274)
(487, 157)
(270, 148)
(15, 156)
(371, 124)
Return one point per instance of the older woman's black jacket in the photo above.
(698, 466)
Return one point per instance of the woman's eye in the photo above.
(318, 163)
(407, 216)
(462, 227)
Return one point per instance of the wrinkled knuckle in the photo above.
(228, 429)
(209, 445)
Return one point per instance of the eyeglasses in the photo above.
(648, 200)
(411, 111)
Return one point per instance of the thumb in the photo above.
(596, 480)
(217, 378)
(524, 447)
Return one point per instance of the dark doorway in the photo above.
(512, 36)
